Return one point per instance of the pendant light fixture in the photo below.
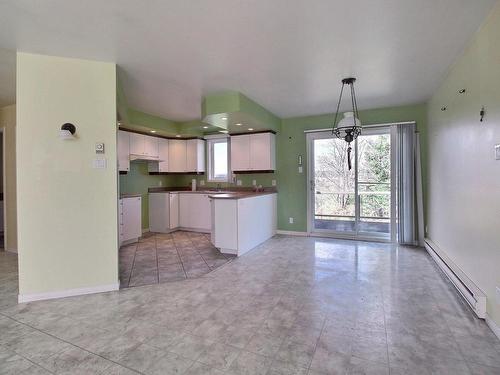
(349, 127)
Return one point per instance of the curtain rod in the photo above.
(364, 126)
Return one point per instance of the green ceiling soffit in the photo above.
(121, 101)
(235, 112)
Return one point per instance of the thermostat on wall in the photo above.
(99, 148)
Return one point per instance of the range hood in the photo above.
(134, 157)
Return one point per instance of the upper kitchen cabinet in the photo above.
(177, 155)
(143, 145)
(195, 155)
(123, 151)
(163, 164)
(253, 152)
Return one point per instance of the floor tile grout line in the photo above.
(20, 354)
(69, 343)
(157, 262)
(133, 265)
(179, 255)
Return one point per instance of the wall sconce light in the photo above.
(67, 131)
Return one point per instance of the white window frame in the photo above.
(210, 158)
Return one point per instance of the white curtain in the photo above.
(408, 185)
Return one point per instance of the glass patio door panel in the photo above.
(356, 202)
(334, 187)
(374, 184)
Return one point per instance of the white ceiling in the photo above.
(288, 55)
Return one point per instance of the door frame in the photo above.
(356, 235)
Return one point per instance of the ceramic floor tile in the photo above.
(262, 310)
(163, 258)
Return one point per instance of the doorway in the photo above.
(358, 203)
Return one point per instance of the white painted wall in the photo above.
(67, 211)
(464, 177)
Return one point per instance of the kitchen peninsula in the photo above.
(237, 220)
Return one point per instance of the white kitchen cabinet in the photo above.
(242, 224)
(240, 152)
(136, 144)
(195, 212)
(130, 219)
(174, 210)
(123, 151)
(151, 146)
(177, 155)
(262, 152)
(162, 165)
(253, 152)
(195, 155)
(163, 212)
(143, 145)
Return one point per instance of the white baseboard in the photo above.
(494, 327)
(13, 251)
(292, 233)
(23, 298)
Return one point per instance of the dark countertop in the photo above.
(240, 194)
(129, 195)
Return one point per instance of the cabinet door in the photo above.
(240, 152)
(195, 155)
(132, 226)
(261, 150)
(177, 155)
(205, 213)
(151, 146)
(191, 155)
(136, 144)
(185, 210)
(123, 151)
(174, 210)
(163, 155)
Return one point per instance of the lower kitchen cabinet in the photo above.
(130, 219)
(195, 211)
(163, 212)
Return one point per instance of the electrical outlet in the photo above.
(273, 182)
(239, 182)
(254, 182)
(290, 220)
(202, 182)
(301, 169)
(160, 183)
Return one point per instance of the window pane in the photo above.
(220, 160)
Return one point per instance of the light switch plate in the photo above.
(497, 152)
(300, 170)
(202, 182)
(254, 182)
(99, 163)
(273, 182)
(290, 220)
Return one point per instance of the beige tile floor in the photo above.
(291, 306)
(159, 258)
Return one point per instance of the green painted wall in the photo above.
(291, 142)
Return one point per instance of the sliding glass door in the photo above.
(357, 203)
